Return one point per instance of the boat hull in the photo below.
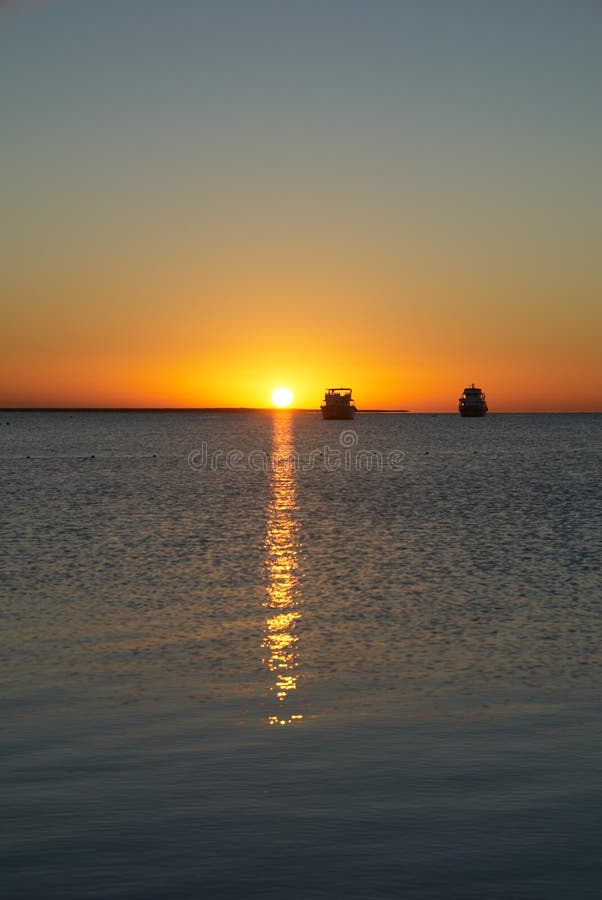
(472, 412)
(345, 413)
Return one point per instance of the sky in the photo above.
(204, 200)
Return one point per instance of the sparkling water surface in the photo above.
(263, 655)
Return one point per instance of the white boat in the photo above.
(338, 404)
(472, 402)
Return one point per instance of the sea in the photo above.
(261, 655)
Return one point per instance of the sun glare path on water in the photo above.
(282, 396)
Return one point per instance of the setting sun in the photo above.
(281, 396)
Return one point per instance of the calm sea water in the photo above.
(368, 670)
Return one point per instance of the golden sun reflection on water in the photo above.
(281, 625)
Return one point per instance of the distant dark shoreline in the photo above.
(179, 409)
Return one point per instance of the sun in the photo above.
(281, 396)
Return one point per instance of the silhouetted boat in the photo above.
(472, 402)
(338, 404)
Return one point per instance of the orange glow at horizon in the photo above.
(382, 383)
(411, 356)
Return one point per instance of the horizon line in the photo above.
(270, 409)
